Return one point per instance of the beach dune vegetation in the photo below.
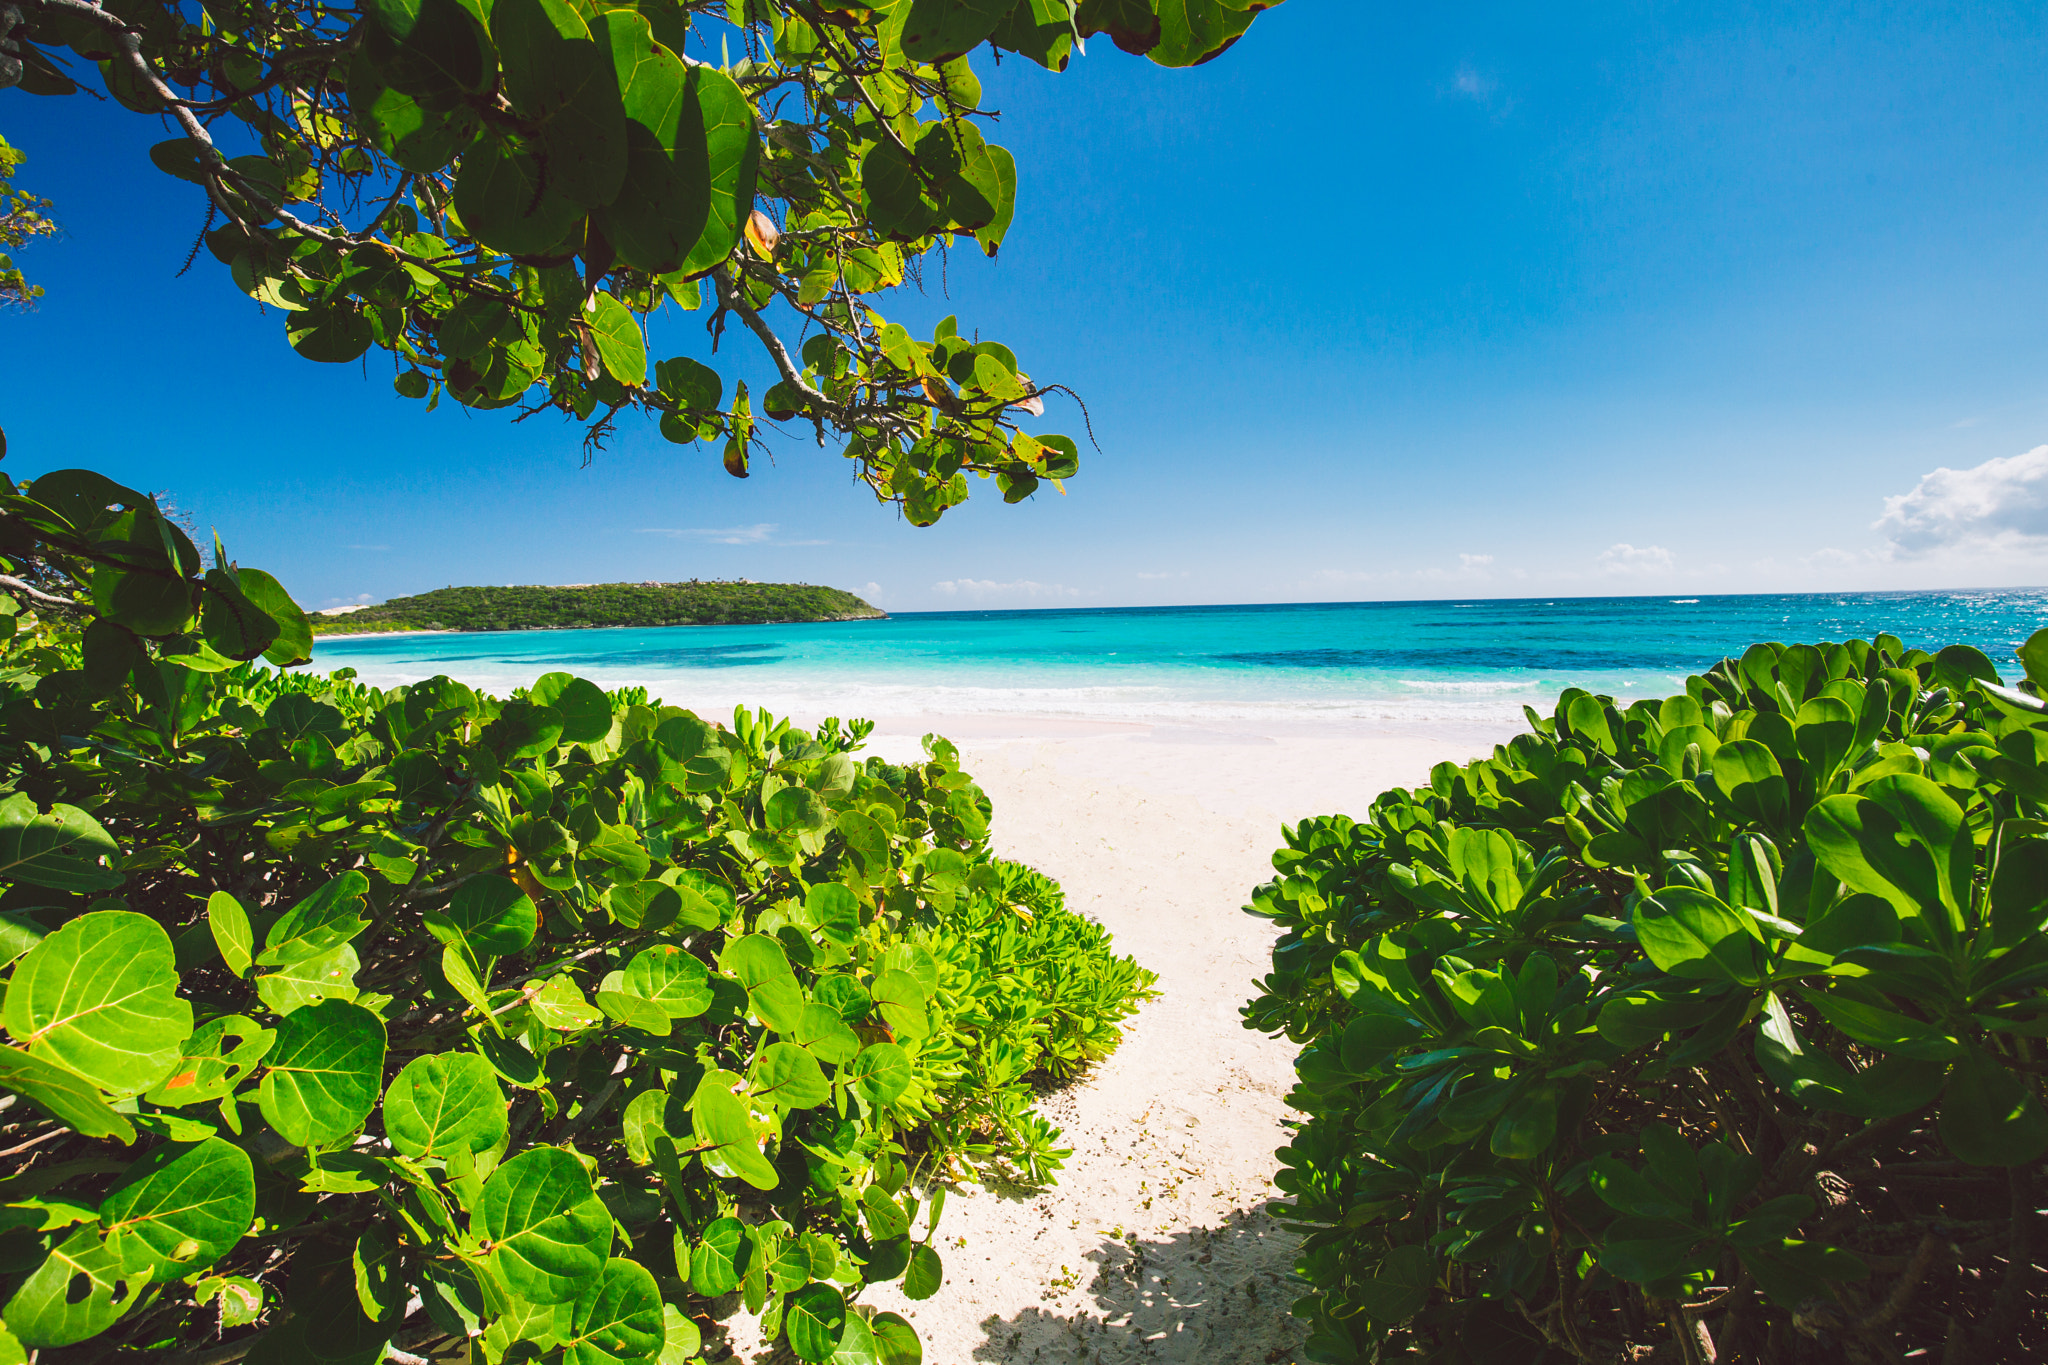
(551, 1028)
(497, 196)
(1709, 1026)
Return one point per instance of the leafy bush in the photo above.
(563, 1023)
(1709, 1021)
(600, 604)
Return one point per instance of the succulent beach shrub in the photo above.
(1708, 1027)
(553, 1028)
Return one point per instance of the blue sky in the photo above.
(1478, 300)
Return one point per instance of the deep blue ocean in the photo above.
(1312, 662)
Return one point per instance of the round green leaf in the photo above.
(857, 1345)
(925, 1274)
(502, 194)
(100, 998)
(585, 710)
(65, 849)
(815, 1318)
(324, 1072)
(882, 1072)
(334, 333)
(787, 1076)
(318, 924)
(442, 1104)
(624, 353)
(618, 1317)
(548, 1229)
(72, 1295)
(731, 159)
(494, 917)
(213, 1061)
(179, 1209)
(718, 1262)
(896, 1340)
(674, 981)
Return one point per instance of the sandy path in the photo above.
(1154, 1246)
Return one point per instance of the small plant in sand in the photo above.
(1710, 1025)
(544, 1029)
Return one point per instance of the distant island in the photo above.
(599, 604)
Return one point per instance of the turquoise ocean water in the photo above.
(1365, 662)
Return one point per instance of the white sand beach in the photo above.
(1154, 1246)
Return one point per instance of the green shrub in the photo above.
(1711, 1022)
(344, 1018)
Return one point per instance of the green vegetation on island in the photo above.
(602, 604)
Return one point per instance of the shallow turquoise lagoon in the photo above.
(1362, 662)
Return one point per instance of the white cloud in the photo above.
(1623, 560)
(1831, 558)
(335, 606)
(1474, 561)
(1156, 577)
(1999, 505)
(1473, 86)
(980, 589)
(757, 534)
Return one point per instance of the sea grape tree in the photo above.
(499, 192)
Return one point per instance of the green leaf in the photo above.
(318, 924)
(822, 1031)
(331, 976)
(501, 191)
(731, 159)
(1401, 1287)
(549, 1232)
(379, 1265)
(443, 1104)
(1901, 838)
(618, 1317)
(896, 1340)
(179, 1209)
(1748, 785)
(209, 1067)
(881, 1072)
(1690, 933)
(234, 625)
(674, 981)
(1989, 1116)
(72, 1294)
(925, 1274)
(100, 998)
(491, 916)
(786, 1076)
(662, 205)
(558, 77)
(719, 1261)
(585, 711)
(934, 30)
(681, 1340)
(1529, 1125)
(229, 923)
(324, 1072)
(856, 1344)
(65, 849)
(61, 1095)
(815, 1318)
(725, 1133)
(332, 333)
(620, 346)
